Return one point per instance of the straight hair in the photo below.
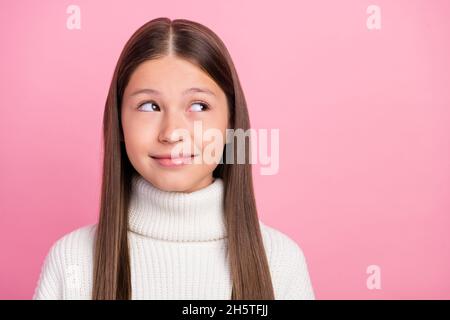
(249, 268)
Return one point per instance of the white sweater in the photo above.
(177, 251)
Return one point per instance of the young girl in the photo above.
(174, 227)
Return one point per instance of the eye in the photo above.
(199, 106)
(149, 105)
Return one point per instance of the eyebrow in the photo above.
(187, 91)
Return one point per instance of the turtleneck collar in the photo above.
(177, 216)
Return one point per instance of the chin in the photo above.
(172, 182)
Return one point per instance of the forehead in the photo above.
(171, 75)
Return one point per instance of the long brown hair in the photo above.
(248, 262)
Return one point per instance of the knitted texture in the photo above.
(178, 250)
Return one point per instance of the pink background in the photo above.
(363, 116)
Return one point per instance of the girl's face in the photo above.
(162, 102)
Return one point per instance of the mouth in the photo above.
(168, 161)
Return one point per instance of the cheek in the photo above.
(213, 139)
(138, 134)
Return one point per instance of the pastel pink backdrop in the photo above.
(363, 115)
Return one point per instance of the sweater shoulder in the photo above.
(80, 238)
(278, 242)
(74, 245)
(66, 270)
(288, 265)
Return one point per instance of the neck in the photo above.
(177, 216)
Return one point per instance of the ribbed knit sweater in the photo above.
(178, 250)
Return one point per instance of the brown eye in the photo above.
(149, 106)
(199, 106)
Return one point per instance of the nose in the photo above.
(172, 129)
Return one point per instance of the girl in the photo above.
(174, 227)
